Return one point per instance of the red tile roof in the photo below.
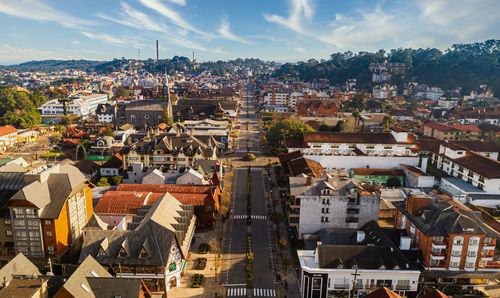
(124, 202)
(438, 126)
(446, 127)
(7, 130)
(434, 294)
(171, 188)
(353, 137)
(466, 127)
(383, 293)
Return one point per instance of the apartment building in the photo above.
(443, 131)
(80, 105)
(49, 213)
(357, 150)
(359, 261)
(450, 235)
(332, 201)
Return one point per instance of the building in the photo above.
(359, 261)
(112, 167)
(164, 150)
(332, 201)
(88, 168)
(154, 246)
(450, 235)
(295, 164)
(357, 150)
(80, 105)
(318, 108)
(106, 113)
(277, 100)
(49, 213)
(474, 168)
(8, 137)
(414, 177)
(451, 132)
(378, 176)
(471, 115)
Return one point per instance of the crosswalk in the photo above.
(236, 292)
(244, 216)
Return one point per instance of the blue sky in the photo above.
(281, 30)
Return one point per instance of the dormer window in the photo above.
(340, 267)
(122, 253)
(143, 253)
(326, 191)
(101, 253)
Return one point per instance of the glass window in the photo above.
(458, 240)
(49, 234)
(19, 222)
(474, 241)
(30, 213)
(21, 235)
(8, 232)
(34, 234)
(48, 222)
(32, 224)
(7, 221)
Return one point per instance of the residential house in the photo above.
(106, 113)
(154, 247)
(49, 213)
(318, 108)
(332, 201)
(472, 115)
(8, 136)
(112, 167)
(295, 164)
(88, 168)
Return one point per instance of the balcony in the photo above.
(440, 265)
(439, 244)
(489, 245)
(341, 286)
(438, 255)
(403, 288)
(492, 265)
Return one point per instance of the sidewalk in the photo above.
(286, 266)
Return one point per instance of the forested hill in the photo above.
(464, 65)
(176, 63)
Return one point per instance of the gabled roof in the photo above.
(87, 166)
(352, 137)
(77, 283)
(117, 287)
(434, 294)
(19, 265)
(383, 293)
(7, 130)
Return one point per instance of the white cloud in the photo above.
(188, 44)
(367, 28)
(180, 2)
(225, 32)
(38, 10)
(136, 19)
(75, 42)
(117, 41)
(171, 14)
(11, 54)
(299, 49)
(299, 10)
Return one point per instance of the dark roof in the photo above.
(480, 164)
(447, 217)
(294, 142)
(478, 146)
(145, 105)
(105, 109)
(305, 166)
(434, 294)
(383, 293)
(108, 287)
(114, 162)
(364, 257)
(87, 166)
(284, 157)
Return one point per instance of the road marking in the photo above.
(235, 292)
(264, 292)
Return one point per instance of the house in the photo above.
(472, 115)
(19, 265)
(8, 137)
(317, 107)
(402, 115)
(49, 213)
(91, 279)
(451, 236)
(379, 176)
(415, 177)
(451, 132)
(348, 150)
(88, 168)
(106, 113)
(356, 260)
(112, 167)
(295, 164)
(80, 105)
(179, 150)
(332, 201)
(155, 244)
(28, 136)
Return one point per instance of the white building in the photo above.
(81, 105)
(106, 113)
(357, 150)
(333, 201)
(369, 261)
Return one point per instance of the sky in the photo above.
(278, 30)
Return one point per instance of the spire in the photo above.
(168, 112)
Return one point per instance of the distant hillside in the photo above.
(462, 65)
(177, 63)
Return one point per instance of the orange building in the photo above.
(49, 213)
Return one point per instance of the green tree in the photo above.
(165, 116)
(115, 180)
(357, 116)
(340, 126)
(120, 92)
(323, 127)
(287, 127)
(387, 123)
(393, 182)
(357, 103)
(108, 131)
(65, 101)
(103, 182)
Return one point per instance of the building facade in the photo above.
(81, 105)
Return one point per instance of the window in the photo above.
(324, 219)
(48, 222)
(438, 239)
(32, 224)
(474, 241)
(34, 234)
(325, 210)
(19, 222)
(458, 240)
(143, 253)
(23, 249)
(456, 253)
(18, 212)
(434, 261)
(472, 253)
(49, 234)
(7, 221)
(146, 117)
(487, 240)
(132, 118)
(326, 201)
(172, 266)
(454, 264)
(21, 236)
(122, 253)
(181, 159)
(469, 264)
(30, 213)
(8, 232)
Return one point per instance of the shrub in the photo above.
(197, 281)
(201, 263)
(204, 248)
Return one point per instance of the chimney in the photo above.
(414, 203)
(308, 181)
(316, 256)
